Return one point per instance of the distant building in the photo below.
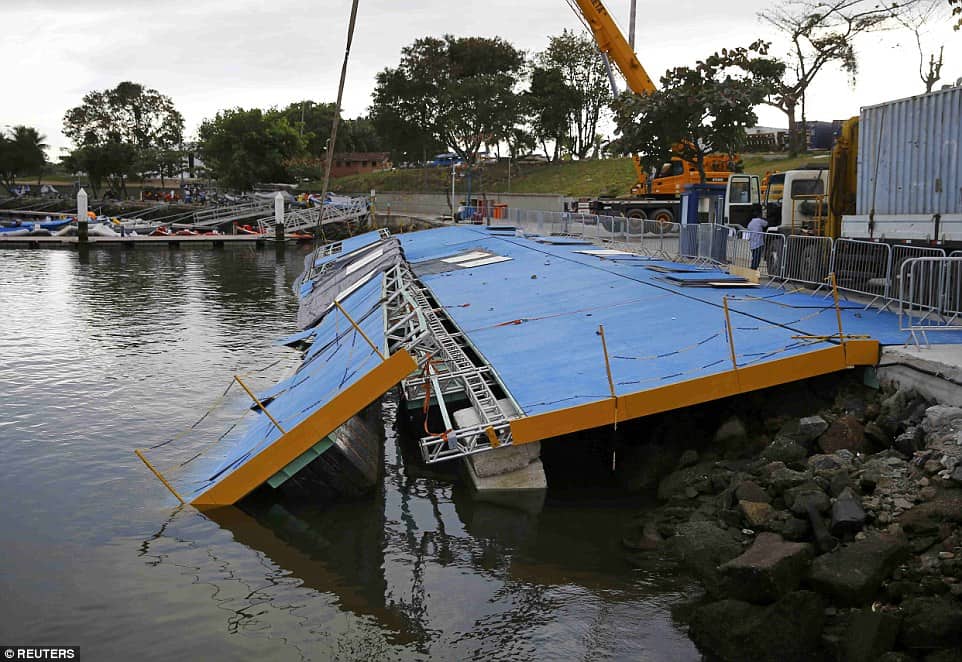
(356, 163)
(765, 139)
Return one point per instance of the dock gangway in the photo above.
(354, 210)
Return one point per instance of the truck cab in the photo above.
(796, 201)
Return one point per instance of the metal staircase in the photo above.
(447, 371)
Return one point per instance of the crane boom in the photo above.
(612, 43)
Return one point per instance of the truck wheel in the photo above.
(663, 216)
(637, 213)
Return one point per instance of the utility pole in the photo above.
(631, 25)
(340, 94)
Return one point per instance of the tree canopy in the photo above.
(242, 147)
(129, 113)
(457, 92)
(128, 128)
(312, 121)
(551, 105)
(696, 112)
(575, 57)
(21, 152)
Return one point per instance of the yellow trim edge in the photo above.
(258, 469)
(695, 391)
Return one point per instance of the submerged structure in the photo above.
(502, 339)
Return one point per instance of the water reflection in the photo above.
(106, 351)
(437, 572)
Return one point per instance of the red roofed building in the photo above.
(355, 163)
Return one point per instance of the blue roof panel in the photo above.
(536, 317)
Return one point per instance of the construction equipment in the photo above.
(658, 196)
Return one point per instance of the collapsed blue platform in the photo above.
(535, 317)
(533, 309)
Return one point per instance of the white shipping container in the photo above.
(909, 158)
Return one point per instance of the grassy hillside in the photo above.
(574, 178)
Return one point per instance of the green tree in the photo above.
(129, 113)
(456, 92)
(312, 121)
(696, 112)
(123, 125)
(110, 164)
(242, 147)
(22, 152)
(551, 104)
(575, 57)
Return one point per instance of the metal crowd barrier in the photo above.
(863, 267)
(807, 260)
(930, 295)
(926, 285)
(739, 251)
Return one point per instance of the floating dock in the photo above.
(503, 340)
(25, 241)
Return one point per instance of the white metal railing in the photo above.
(930, 295)
(863, 267)
(764, 251)
(808, 259)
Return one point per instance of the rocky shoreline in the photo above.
(836, 535)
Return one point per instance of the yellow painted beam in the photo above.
(695, 391)
(258, 469)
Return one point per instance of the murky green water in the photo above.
(105, 352)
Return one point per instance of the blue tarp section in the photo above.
(536, 317)
(295, 338)
(350, 245)
(339, 358)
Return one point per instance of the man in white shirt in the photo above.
(756, 235)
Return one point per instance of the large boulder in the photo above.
(767, 570)
(799, 498)
(846, 433)
(913, 439)
(803, 430)
(927, 518)
(869, 635)
(852, 575)
(687, 483)
(780, 478)
(785, 450)
(942, 419)
(701, 547)
(737, 631)
(931, 623)
(756, 513)
(749, 490)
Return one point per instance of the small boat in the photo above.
(245, 229)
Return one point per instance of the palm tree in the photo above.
(30, 150)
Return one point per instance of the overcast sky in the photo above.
(213, 54)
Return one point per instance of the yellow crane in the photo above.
(671, 179)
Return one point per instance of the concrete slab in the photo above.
(935, 371)
(511, 475)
